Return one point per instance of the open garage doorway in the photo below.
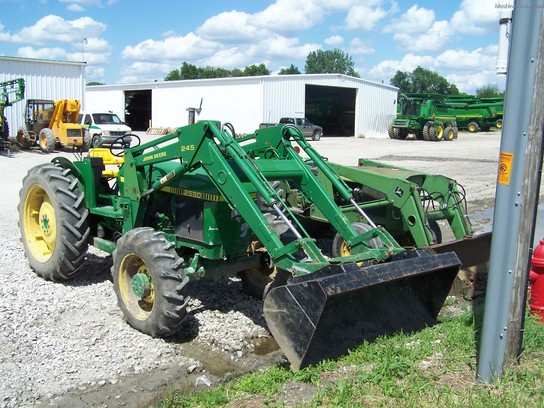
(138, 109)
(332, 108)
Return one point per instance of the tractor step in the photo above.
(324, 314)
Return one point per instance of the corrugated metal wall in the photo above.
(43, 80)
(98, 99)
(246, 102)
(226, 100)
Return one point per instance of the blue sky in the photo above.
(135, 41)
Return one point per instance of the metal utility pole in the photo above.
(516, 195)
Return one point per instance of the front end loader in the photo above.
(49, 124)
(200, 203)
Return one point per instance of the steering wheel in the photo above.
(118, 146)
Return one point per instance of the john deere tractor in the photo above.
(201, 203)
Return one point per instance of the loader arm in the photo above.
(229, 166)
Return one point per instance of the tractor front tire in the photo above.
(46, 140)
(340, 248)
(53, 222)
(148, 280)
(23, 138)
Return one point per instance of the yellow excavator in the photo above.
(49, 124)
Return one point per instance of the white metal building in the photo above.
(342, 105)
(44, 79)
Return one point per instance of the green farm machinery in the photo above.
(10, 92)
(200, 203)
(435, 117)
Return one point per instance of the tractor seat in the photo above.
(108, 159)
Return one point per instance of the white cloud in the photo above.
(282, 47)
(358, 46)
(433, 39)
(476, 16)
(385, 70)
(94, 73)
(468, 70)
(285, 16)
(52, 53)
(80, 5)
(363, 18)
(145, 72)
(415, 20)
(188, 47)
(480, 59)
(334, 40)
(55, 28)
(230, 26)
(470, 82)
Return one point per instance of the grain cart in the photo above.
(10, 92)
(199, 203)
(49, 124)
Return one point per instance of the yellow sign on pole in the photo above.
(505, 168)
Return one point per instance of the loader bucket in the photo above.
(324, 314)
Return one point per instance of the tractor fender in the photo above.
(68, 164)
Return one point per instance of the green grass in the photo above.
(433, 368)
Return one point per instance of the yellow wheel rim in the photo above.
(140, 307)
(39, 224)
(499, 124)
(472, 128)
(440, 132)
(43, 142)
(344, 249)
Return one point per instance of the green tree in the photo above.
(489, 91)
(95, 83)
(290, 70)
(174, 75)
(330, 62)
(422, 80)
(190, 71)
(256, 70)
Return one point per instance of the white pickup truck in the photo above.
(307, 128)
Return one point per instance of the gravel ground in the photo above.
(68, 345)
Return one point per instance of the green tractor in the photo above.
(201, 203)
(10, 92)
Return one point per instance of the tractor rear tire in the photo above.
(46, 140)
(53, 222)
(148, 280)
(340, 248)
